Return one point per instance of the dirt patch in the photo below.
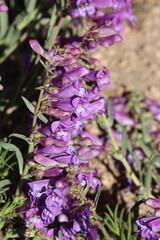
(135, 62)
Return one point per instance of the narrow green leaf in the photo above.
(87, 188)
(32, 109)
(110, 115)
(3, 23)
(28, 104)
(4, 183)
(51, 26)
(110, 211)
(42, 118)
(30, 5)
(121, 217)
(60, 235)
(156, 178)
(21, 136)
(62, 4)
(122, 235)
(129, 226)
(124, 141)
(12, 36)
(110, 225)
(145, 132)
(129, 146)
(148, 179)
(27, 19)
(13, 148)
(145, 149)
(155, 161)
(137, 161)
(97, 196)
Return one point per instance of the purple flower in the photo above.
(81, 8)
(67, 105)
(154, 108)
(149, 227)
(153, 202)
(83, 178)
(76, 73)
(139, 154)
(101, 77)
(109, 40)
(123, 119)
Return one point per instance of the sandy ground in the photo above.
(135, 62)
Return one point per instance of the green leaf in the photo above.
(3, 23)
(87, 188)
(148, 181)
(32, 110)
(137, 161)
(145, 149)
(4, 183)
(28, 104)
(115, 215)
(13, 148)
(21, 136)
(51, 27)
(156, 178)
(122, 235)
(30, 5)
(110, 115)
(129, 227)
(97, 196)
(60, 235)
(145, 132)
(27, 19)
(129, 146)
(155, 161)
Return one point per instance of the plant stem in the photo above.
(118, 155)
(130, 172)
(37, 109)
(101, 227)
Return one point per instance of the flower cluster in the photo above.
(71, 100)
(150, 226)
(110, 21)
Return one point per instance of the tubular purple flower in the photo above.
(123, 119)
(149, 227)
(109, 41)
(153, 202)
(76, 73)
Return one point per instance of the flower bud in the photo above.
(3, 8)
(36, 47)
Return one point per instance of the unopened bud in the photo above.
(3, 8)
(36, 46)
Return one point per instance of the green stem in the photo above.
(106, 125)
(101, 227)
(31, 146)
(119, 155)
(130, 172)
(37, 108)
